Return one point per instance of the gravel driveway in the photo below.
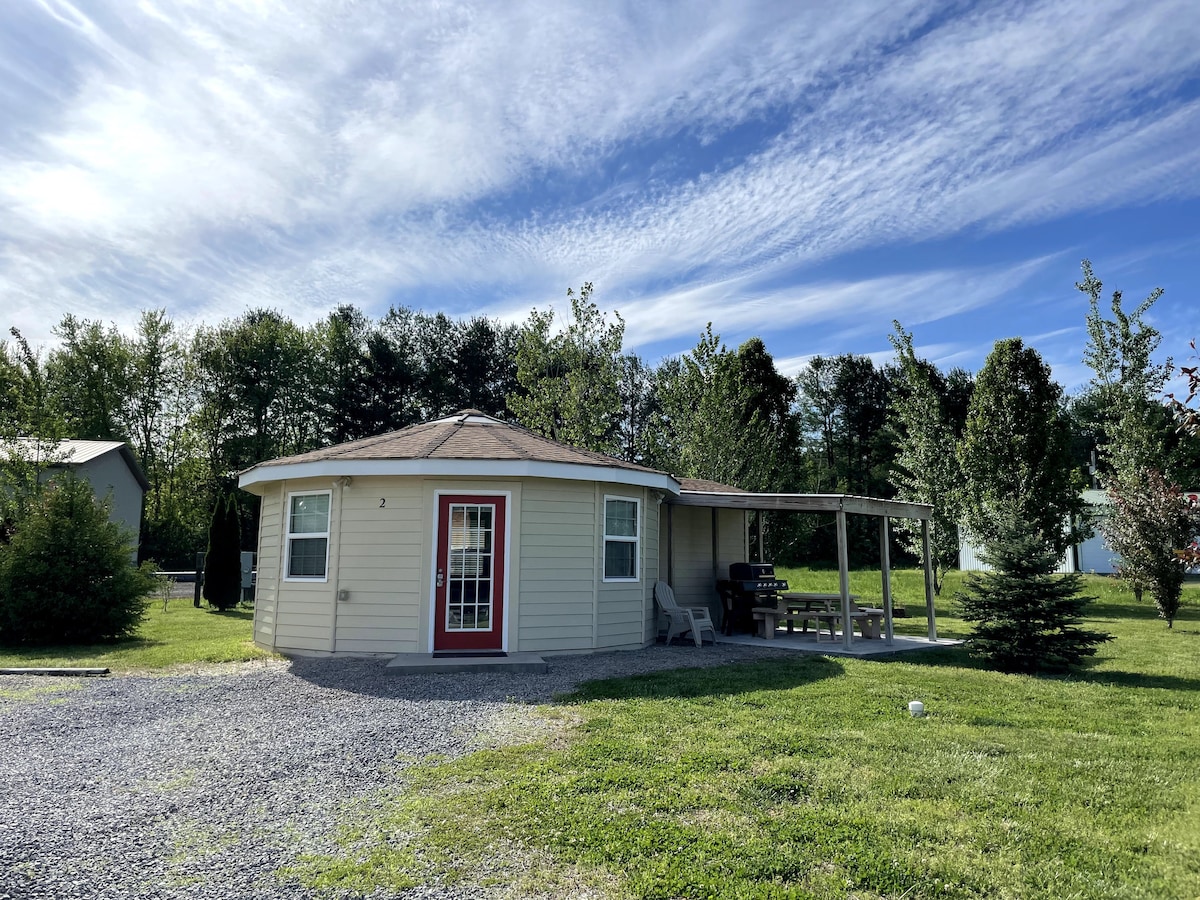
(202, 785)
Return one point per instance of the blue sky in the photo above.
(805, 172)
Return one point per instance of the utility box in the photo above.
(247, 576)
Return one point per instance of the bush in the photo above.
(223, 562)
(1025, 614)
(67, 576)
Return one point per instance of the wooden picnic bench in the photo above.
(868, 619)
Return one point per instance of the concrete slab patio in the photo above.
(799, 642)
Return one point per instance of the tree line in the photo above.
(199, 404)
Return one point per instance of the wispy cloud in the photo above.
(695, 162)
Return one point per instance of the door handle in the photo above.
(441, 578)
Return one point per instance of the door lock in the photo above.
(441, 578)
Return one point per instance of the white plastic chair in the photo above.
(680, 619)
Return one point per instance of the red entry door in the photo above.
(469, 581)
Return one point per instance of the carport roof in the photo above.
(732, 498)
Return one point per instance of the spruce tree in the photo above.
(68, 576)
(1025, 615)
(223, 564)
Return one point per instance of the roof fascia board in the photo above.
(869, 506)
(456, 468)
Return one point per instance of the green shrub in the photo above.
(67, 576)
(1025, 614)
(223, 562)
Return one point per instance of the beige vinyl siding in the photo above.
(380, 565)
(694, 579)
(621, 605)
(558, 573)
(304, 609)
(266, 586)
(655, 567)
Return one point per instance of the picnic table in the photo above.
(802, 606)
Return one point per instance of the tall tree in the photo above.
(843, 406)
(926, 468)
(726, 416)
(223, 562)
(1015, 454)
(1126, 381)
(33, 430)
(638, 437)
(569, 380)
(485, 365)
(89, 377)
(341, 342)
(1152, 521)
(254, 376)
(155, 415)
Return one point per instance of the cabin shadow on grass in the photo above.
(737, 678)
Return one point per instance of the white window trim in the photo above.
(636, 540)
(288, 537)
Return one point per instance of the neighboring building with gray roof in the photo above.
(110, 467)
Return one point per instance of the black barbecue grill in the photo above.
(749, 585)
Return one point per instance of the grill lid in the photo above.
(747, 571)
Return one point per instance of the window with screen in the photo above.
(308, 536)
(620, 539)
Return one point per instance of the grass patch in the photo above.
(180, 634)
(805, 777)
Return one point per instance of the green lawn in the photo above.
(805, 777)
(180, 635)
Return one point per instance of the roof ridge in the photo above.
(502, 434)
(438, 439)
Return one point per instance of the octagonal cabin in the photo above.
(464, 534)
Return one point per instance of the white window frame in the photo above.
(636, 540)
(289, 536)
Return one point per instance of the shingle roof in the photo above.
(709, 487)
(467, 434)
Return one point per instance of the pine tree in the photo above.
(68, 576)
(1025, 615)
(223, 564)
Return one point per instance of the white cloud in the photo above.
(211, 156)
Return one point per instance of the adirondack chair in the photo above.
(680, 619)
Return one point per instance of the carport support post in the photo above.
(885, 573)
(844, 580)
(928, 580)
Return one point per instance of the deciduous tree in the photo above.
(1151, 526)
(1015, 454)
(926, 468)
(570, 380)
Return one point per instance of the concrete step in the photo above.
(427, 664)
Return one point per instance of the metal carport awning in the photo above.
(840, 505)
